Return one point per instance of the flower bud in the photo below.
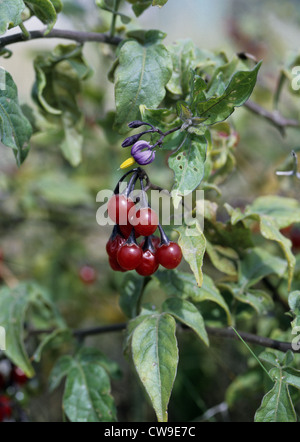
(136, 124)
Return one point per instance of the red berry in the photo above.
(113, 246)
(19, 377)
(118, 208)
(145, 221)
(88, 275)
(5, 408)
(126, 230)
(169, 255)
(149, 264)
(115, 265)
(129, 256)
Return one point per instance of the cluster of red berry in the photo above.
(122, 248)
(13, 378)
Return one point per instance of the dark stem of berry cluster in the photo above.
(134, 138)
(164, 238)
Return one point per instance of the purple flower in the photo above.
(143, 153)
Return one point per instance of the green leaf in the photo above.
(188, 314)
(256, 265)
(294, 303)
(159, 2)
(59, 336)
(155, 355)
(60, 371)
(139, 6)
(219, 108)
(193, 244)
(57, 5)
(188, 164)
(15, 129)
(131, 291)
(45, 11)
(140, 79)
(284, 211)
(10, 14)
(14, 305)
(270, 225)
(259, 300)
(223, 258)
(59, 77)
(87, 395)
(182, 53)
(184, 286)
(277, 405)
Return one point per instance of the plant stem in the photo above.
(25, 32)
(114, 18)
(253, 354)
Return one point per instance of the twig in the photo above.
(274, 117)
(228, 333)
(223, 333)
(78, 36)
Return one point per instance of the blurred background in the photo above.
(48, 229)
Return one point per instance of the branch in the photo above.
(78, 36)
(274, 118)
(224, 333)
(229, 333)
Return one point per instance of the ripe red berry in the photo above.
(118, 209)
(18, 376)
(126, 231)
(149, 264)
(145, 221)
(129, 256)
(5, 408)
(87, 275)
(113, 246)
(115, 265)
(169, 255)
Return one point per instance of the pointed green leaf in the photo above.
(219, 108)
(15, 129)
(10, 14)
(193, 244)
(223, 258)
(270, 225)
(294, 303)
(44, 10)
(184, 286)
(155, 355)
(182, 53)
(277, 405)
(188, 314)
(188, 164)
(159, 2)
(257, 264)
(140, 79)
(87, 395)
